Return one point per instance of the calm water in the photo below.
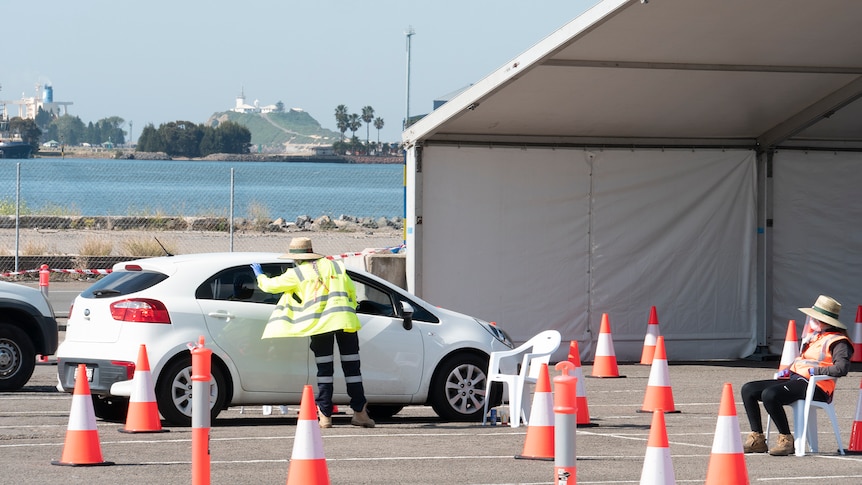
(96, 187)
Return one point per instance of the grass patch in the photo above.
(34, 248)
(93, 246)
(259, 215)
(147, 248)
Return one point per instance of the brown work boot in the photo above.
(361, 418)
(784, 446)
(755, 443)
(323, 420)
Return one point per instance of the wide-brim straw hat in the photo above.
(825, 309)
(300, 248)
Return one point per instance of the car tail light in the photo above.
(142, 310)
(130, 368)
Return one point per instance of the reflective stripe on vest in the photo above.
(818, 353)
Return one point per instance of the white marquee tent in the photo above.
(703, 157)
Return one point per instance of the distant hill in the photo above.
(289, 131)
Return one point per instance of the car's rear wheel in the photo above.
(174, 392)
(457, 392)
(17, 357)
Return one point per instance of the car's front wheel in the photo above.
(174, 392)
(458, 391)
(17, 357)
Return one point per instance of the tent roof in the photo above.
(674, 72)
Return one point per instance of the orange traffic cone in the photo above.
(857, 337)
(855, 447)
(727, 461)
(539, 443)
(650, 339)
(605, 363)
(307, 464)
(583, 410)
(659, 394)
(143, 415)
(82, 446)
(791, 347)
(657, 469)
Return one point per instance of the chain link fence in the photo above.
(80, 216)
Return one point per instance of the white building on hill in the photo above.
(242, 107)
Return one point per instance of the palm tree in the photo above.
(341, 119)
(378, 123)
(367, 117)
(354, 122)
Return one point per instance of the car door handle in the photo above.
(225, 315)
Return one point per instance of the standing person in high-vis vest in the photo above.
(319, 301)
(825, 351)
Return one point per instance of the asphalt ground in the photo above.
(416, 447)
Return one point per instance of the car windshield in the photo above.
(121, 283)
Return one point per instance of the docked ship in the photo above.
(11, 145)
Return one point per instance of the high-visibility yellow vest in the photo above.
(318, 297)
(818, 353)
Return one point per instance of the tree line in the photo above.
(68, 130)
(187, 139)
(345, 121)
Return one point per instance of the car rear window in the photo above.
(122, 283)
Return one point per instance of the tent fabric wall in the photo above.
(538, 238)
(816, 235)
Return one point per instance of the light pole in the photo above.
(409, 33)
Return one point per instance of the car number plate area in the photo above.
(89, 374)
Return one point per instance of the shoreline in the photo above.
(129, 154)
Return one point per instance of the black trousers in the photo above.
(775, 394)
(348, 349)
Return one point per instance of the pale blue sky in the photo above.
(156, 61)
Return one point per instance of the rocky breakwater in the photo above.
(219, 224)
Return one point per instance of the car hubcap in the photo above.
(9, 355)
(465, 388)
(182, 391)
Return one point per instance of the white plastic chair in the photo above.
(501, 368)
(805, 420)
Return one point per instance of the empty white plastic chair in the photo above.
(805, 421)
(502, 368)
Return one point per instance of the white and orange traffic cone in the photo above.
(791, 347)
(659, 394)
(857, 337)
(143, 414)
(82, 446)
(650, 338)
(539, 443)
(658, 468)
(583, 409)
(605, 363)
(727, 460)
(307, 463)
(855, 446)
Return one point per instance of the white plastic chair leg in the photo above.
(809, 431)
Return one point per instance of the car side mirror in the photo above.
(407, 315)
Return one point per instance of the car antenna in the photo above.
(167, 253)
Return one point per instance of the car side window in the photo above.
(234, 284)
(373, 301)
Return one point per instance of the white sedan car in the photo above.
(412, 352)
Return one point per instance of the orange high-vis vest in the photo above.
(818, 353)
